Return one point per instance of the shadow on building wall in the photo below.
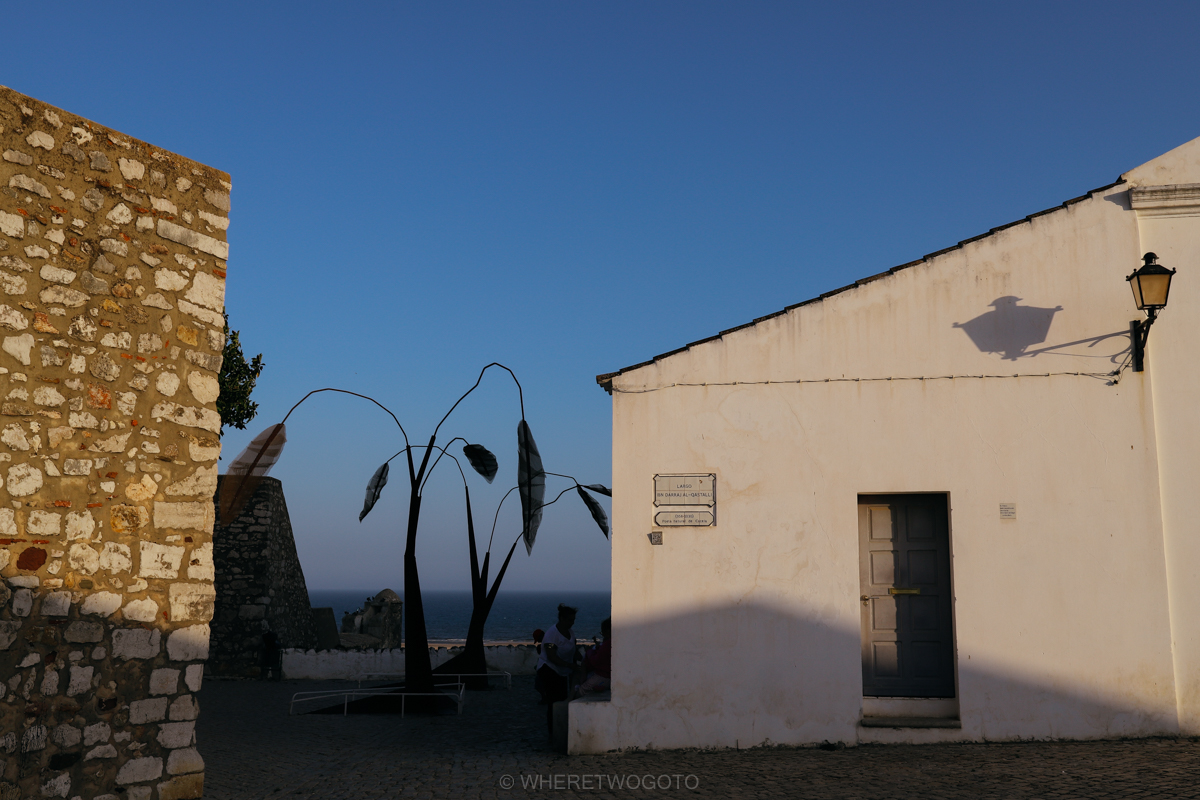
(750, 674)
(1011, 330)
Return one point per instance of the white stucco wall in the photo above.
(749, 631)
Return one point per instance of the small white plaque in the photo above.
(677, 519)
(685, 490)
(1008, 511)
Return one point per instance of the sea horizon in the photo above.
(514, 616)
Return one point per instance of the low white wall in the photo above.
(518, 659)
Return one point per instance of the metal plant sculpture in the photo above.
(253, 463)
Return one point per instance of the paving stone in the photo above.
(253, 749)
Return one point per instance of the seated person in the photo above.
(599, 662)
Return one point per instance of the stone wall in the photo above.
(259, 585)
(112, 284)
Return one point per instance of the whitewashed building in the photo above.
(921, 507)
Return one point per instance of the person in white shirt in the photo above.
(558, 661)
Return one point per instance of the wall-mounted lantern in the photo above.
(1151, 285)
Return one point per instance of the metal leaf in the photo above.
(374, 488)
(531, 483)
(249, 468)
(597, 511)
(482, 461)
(598, 488)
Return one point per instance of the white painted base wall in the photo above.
(520, 659)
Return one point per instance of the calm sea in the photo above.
(514, 615)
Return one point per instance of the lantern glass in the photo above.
(1152, 288)
(1151, 284)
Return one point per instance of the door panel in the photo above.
(908, 636)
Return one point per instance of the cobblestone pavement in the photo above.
(253, 749)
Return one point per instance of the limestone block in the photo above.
(30, 185)
(200, 313)
(50, 683)
(184, 516)
(192, 601)
(12, 225)
(8, 526)
(77, 466)
(207, 419)
(172, 735)
(182, 787)
(167, 383)
(127, 518)
(169, 280)
(204, 388)
(184, 708)
(159, 560)
(188, 644)
(121, 341)
(40, 139)
(17, 157)
(59, 786)
(200, 564)
(83, 329)
(43, 523)
(24, 480)
(136, 643)
(63, 295)
(8, 632)
(136, 770)
(181, 762)
(164, 681)
(66, 735)
(201, 482)
(81, 681)
(56, 604)
(54, 274)
(105, 369)
(12, 319)
(207, 290)
(141, 491)
(48, 396)
(103, 751)
(96, 734)
(190, 238)
(218, 222)
(131, 170)
(193, 676)
(82, 558)
(102, 604)
(144, 610)
(13, 284)
(115, 246)
(217, 199)
(156, 300)
(115, 557)
(22, 602)
(80, 631)
(93, 285)
(18, 347)
(14, 436)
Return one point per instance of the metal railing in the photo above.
(384, 676)
(346, 694)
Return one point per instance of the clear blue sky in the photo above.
(570, 188)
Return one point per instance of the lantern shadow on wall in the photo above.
(1012, 331)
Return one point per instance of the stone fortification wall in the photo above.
(259, 580)
(112, 284)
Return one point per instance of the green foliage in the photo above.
(238, 377)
